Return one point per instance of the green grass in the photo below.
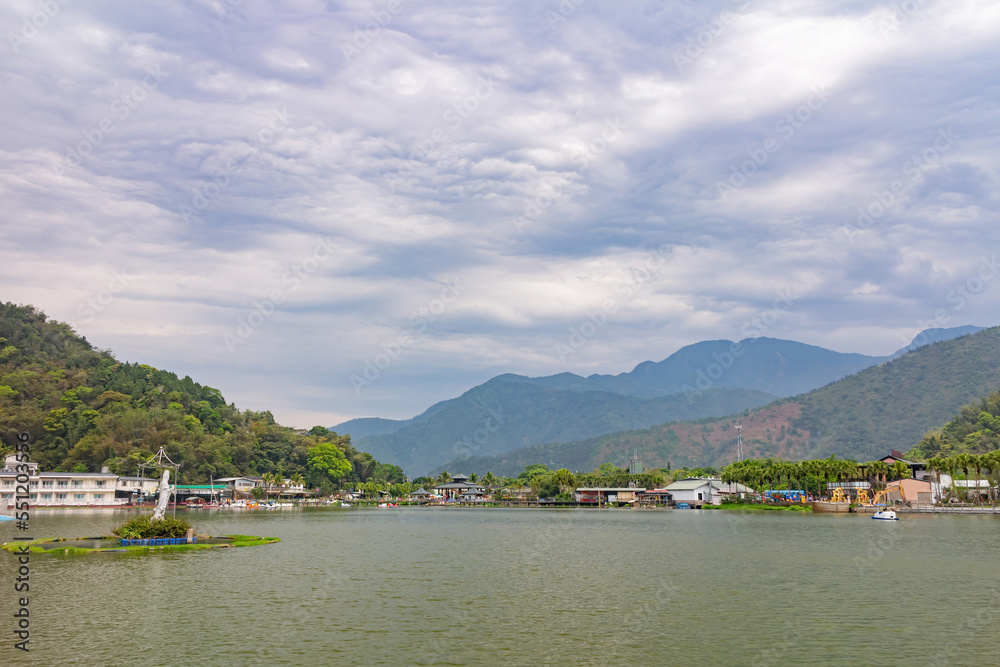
(807, 507)
(35, 546)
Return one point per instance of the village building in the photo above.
(613, 495)
(61, 489)
(460, 487)
(698, 491)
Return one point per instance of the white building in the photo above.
(62, 489)
(701, 491)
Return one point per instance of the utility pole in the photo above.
(739, 441)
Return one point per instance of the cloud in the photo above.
(333, 169)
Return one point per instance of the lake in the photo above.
(449, 586)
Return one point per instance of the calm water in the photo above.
(429, 586)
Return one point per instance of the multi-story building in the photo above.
(82, 489)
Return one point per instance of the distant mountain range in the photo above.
(864, 416)
(707, 379)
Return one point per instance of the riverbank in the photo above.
(758, 507)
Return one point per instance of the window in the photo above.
(47, 483)
(77, 482)
(8, 482)
(63, 482)
(46, 496)
(7, 496)
(79, 496)
(699, 497)
(98, 496)
(99, 483)
(33, 496)
(60, 496)
(34, 482)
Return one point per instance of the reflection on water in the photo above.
(524, 587)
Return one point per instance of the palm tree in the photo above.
(977, 464)
(269, 480)
(901, 470)
(880, 469)
(992, 461)
(963, 462)
(933, 464)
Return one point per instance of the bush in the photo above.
(144, 527)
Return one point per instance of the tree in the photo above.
(564, 479)
(328, 459)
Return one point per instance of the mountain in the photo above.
(84, 410)
(567, 406)
(507, 413)
(885, 407)
(928, 336)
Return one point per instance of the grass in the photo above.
(35, 545)
(806, 507)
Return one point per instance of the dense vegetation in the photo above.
(84, 410)
(145, 527)
(974, 430)
(507, 413)
(863, 416)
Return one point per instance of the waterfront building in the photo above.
(613, 495)
(460, 486)
(65, 489)
(697, 491)
(914, 491)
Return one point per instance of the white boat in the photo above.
(886, 515)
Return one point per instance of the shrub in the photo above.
(143, 527)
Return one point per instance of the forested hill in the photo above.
(84, 410)
(864, 416)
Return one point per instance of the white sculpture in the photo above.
(161, 504)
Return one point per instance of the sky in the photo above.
(346, 209)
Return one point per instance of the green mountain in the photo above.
(507, 413)
(568, 407)
(84, 410)
(864, 416)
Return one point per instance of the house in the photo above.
(604, 496)
(973, 488)
(460, 486)
(241, 486)
(913, 491)
(699, 491)
(918, 469)
(62, 489)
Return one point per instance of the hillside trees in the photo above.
(84, 410)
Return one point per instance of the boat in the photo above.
(885, 515)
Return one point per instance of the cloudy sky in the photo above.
(358, 208)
